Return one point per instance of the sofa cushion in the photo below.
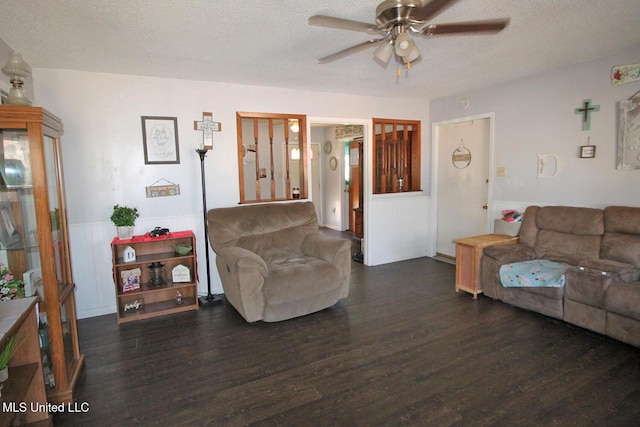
(569, 234)
(566, 248)
(228, 225)
(586, 286)
(622, 219)
(277, 246)
(534, 273)
(621, 247)
(571, 220)
(624, 299)
(289, 280)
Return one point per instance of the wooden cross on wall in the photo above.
(207, 126)
(586, 111)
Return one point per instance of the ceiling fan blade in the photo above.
(431, 9)
(349, 51)
(342, 24)
(471, 27)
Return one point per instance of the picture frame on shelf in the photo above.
(587, 151)
(160, 140)
(9, 235)
(33, 283)
(130, 280)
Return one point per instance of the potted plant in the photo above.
(6, 353)
(124, 219)
(10, 287)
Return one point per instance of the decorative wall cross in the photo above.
(207, 126)
(586, 111)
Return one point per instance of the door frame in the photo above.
(313, 197)
(366, 165)
(432, 245)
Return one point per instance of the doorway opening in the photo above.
(461, 186)
(337, 183)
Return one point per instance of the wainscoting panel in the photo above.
(91, 260)
(397, 227)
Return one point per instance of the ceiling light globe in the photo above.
(404, 44)
(383, 53)
(412, 56)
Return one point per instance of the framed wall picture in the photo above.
(629, 134)
(8, 230)
(587, 151)
(160, 140)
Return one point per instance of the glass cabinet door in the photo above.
(61, 254)
(34, 237)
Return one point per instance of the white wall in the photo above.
(104, 163)
(536, 116)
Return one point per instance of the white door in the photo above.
(463, 181)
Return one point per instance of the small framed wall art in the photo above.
(587, 151)
(160, 140)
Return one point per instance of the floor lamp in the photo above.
(209, 299)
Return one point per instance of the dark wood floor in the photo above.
(403, 349)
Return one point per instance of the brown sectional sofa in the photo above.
(602, 284)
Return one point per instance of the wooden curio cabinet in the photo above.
(34, 241)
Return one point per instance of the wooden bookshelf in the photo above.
(154, 300)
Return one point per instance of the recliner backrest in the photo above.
(270, 229)
(621, 241)
(569, 233)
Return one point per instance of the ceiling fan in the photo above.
(395, 21)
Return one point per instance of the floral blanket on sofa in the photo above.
(534, 273)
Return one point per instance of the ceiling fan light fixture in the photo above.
(404, 45)
(383, 53)
(412, 56)
(396, 20)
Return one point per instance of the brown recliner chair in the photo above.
(273, 262)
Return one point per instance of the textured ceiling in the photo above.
(268, 42)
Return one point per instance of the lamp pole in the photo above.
(209, 299)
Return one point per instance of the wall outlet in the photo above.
(501, 171)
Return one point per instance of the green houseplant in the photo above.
(124, 219)
(6, 353)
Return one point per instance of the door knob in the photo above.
(485, 206)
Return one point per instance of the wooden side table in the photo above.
(468, 255)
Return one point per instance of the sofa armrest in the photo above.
(493, 258)
(323, 247)
(507, 254)
(243, 258)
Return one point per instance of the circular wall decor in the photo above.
(333, 163)
(327, 147)
(461, 157)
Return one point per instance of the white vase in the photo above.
(125, 232)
